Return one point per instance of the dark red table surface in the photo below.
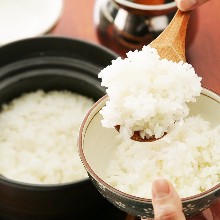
(203, 35)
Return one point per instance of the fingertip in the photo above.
(160, 188)
(166, 201)
(186, 5)
(179, 5)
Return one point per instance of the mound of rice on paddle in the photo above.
(147, 94)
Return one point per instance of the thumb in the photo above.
(166, 202)
(186, 5)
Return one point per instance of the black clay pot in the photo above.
(52, 63)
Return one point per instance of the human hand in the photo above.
(167, 204)
(186, 5)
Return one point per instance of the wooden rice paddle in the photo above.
(170, 44)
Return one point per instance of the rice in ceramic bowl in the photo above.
(189, 157)
(123, 170)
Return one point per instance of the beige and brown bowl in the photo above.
(96, 146)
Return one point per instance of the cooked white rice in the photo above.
(147, 94)
(38, 138)
(189, 158)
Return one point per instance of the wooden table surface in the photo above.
(203, 51)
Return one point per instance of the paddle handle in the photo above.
(171, 42)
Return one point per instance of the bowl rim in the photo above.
(205, 91)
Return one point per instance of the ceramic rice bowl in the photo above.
(96, 144)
